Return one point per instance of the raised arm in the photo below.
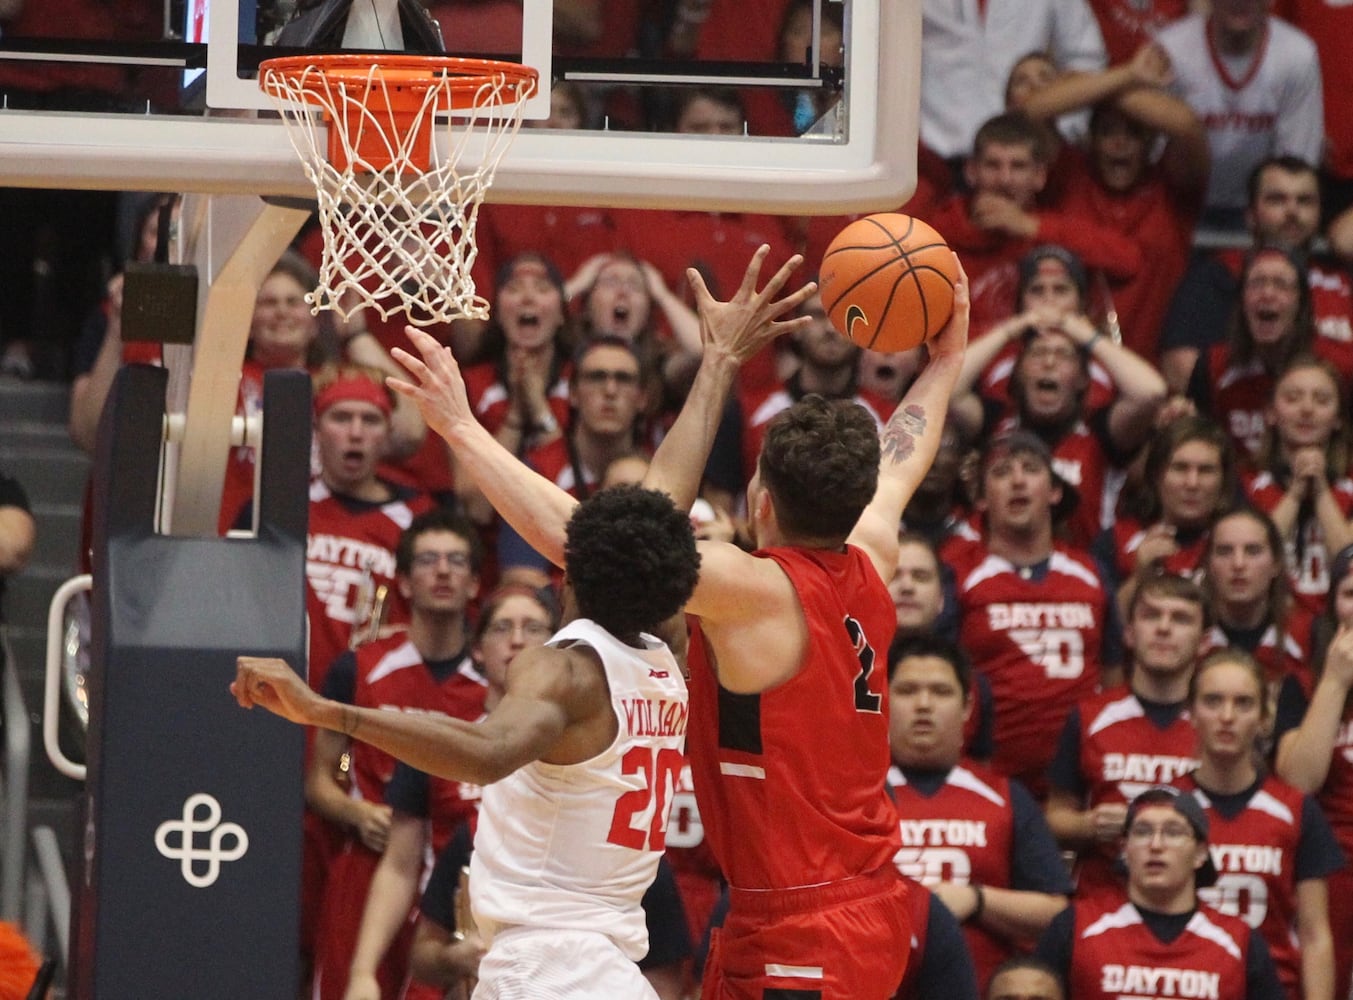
(912, 436)
(965, 406)
(1304, 753)
(1141, 389)
(537, 508)
(732, 332)
(548, 690)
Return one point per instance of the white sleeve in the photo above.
(1300, 129)
(1077, 42)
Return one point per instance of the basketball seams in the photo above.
(876, 287)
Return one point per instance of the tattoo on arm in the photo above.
(899, 436)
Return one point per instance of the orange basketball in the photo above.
(887, 282)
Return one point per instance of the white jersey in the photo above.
(576, 846)
(968, 49)
(1267, 104)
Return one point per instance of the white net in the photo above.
(399, 180)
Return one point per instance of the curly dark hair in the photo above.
(438, 519)
(630, 556)
(820, 461)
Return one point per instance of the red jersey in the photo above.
(1127, 24)
(1277, 651)
(489, 399)
(962, 834)
(1114, 955)
(565, 235)
(791, 781)
(992, 259)
(1239, 397)
(391, 675)
(1257, 853)
(1161, 220)
(1080, 456)
(1128, 534)
(349, 556)
(1308, 558)
(1036, 634)
(1123, 753)
(1336, 794)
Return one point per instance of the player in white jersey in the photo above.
(1254, 80)
(579, 758)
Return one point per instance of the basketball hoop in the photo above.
(397, 208)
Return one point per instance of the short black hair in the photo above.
(1287, 163)
(438, 519)
(1032, 962)
(924, 644)
(820, 462)
(631, 558)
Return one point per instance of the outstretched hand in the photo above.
(268, 682)
(436, 386)
(748, 321)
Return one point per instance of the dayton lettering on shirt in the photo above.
(1132, 981)
(339, 551)
(1070, 614)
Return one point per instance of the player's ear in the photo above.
(405, 587)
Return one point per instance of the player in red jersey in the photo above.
(1160, 941)
(1032, 612)
(1272, 846)
(1314, 735)
(1119, 743)
(788, 640)
(427, 669)
(975, 839)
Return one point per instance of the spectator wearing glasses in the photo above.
(606, 390)
(1160, 933)
(429, 670)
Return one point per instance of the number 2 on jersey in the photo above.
(865, 699)
(660, 768)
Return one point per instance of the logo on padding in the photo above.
(201, 866)
(853, 314)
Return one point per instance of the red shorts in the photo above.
(848, 940)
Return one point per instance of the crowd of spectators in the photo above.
(1148, 461)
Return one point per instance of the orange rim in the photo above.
(407, 74)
